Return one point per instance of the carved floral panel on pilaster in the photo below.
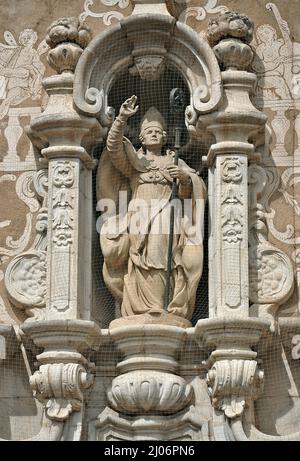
(63, 180)
(233, 227)
(62, 174)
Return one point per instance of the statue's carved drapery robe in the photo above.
(135, 264)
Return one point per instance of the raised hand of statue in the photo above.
(128, 108)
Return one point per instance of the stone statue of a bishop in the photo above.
(134, 238)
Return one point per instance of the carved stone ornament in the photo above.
(147, 391)
(233, 384)
(231, 170)
(64, 373)
(230, 24)
(68, 29)
(25, 279)
(60, 385)
(230, 35)
(25, 275)
(234, 378)
(271, 275)
(234, 54)
(66, 37)
(148, 67)
(64, 57)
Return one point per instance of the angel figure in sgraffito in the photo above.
(21, 69)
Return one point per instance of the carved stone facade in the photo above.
(136, 335)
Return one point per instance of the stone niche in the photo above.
(148, 57)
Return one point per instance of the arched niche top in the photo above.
(146, 44)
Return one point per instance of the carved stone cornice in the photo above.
(71, 335)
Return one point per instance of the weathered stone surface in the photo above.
(242, 79)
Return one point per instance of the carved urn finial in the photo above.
(229, 35)
(67, 37)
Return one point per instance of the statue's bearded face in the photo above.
(153, 136)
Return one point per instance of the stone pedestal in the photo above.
(148, 392)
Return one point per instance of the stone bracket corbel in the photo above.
(60, 387)
(64, 374)
(234, 377)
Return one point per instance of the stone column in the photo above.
(234, 127)
(62, 136)
(64, 133)
(233, 378)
